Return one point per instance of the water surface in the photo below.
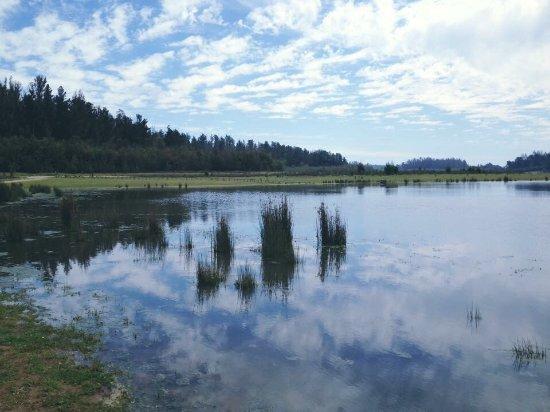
(381, 325)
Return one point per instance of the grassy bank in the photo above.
(202, 181)
(37, 364)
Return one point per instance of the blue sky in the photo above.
(374, 80)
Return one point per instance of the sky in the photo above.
(376, 80)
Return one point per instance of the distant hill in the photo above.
(45, 132)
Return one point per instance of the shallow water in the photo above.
(382, 325)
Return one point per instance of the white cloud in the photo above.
(335, 110)
(7, 7)
(198, 50)
(178, 13)
(287, 14)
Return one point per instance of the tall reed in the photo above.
(331, 230)
(276, 232)
(67, 206)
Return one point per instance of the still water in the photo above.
(383, 324)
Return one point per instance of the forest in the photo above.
(43, 131)
(535, 162)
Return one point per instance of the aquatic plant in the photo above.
(222, 240)
(276, 232)
(67, 206)
(331, 230)
(209, 279)
(246, 283)
(38, 188)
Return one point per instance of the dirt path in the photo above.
(25, 179)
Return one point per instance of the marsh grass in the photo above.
(209, 279)
(331, 230)
(222, 239)
(525, 352)
(38, 188)
(12, 192)
(276, 233)
(246, 284)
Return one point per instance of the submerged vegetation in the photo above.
(38, 370)
(331, 231)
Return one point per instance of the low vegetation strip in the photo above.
(38, 369)
(187, 181)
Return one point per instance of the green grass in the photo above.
(37, 370)
(229, 180)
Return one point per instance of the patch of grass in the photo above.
(38, 188)
(37, 370)
(236, 179)
(331, 230)
(246, 284)
(276, 232)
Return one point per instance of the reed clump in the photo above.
(57, 192)
(222, 239)
(331, 231)
(246, 283)
(276, 232)
(209, 279)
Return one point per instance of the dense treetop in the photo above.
(43, 131)
(536, 161)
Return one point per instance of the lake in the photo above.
(421, 310)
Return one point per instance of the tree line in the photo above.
(43, 131)
(535, 162)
